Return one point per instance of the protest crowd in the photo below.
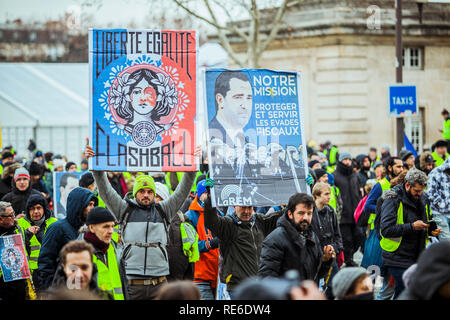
(156, 235)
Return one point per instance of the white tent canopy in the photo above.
(47, 102)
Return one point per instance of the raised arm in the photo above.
(110, 197)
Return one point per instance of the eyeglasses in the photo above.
(10, 216)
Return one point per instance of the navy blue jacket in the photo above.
(413, 241)
(61, 232)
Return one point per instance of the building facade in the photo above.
(345, 51)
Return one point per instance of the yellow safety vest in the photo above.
(109, 277)
(385, 185)
(446, 131)
(116, 233)
(35, 245)
(167, 178)
(189, 238)
(333, 197)
(392, 244)
(438, 159)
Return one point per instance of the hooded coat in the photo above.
(207, 267)
(6, 179)
(286, 248)
(33, 200)
(348, 183)
(431, 274)
(18, 199)
(60, 233)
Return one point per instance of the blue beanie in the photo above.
(201, 188)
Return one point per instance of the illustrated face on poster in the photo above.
(64, 183)
(255, 141)
(143, 99)
(13, 260)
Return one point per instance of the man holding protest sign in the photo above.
(143, 228)
(254, 130)
(17, 289)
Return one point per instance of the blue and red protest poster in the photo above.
(256, 140)
(13, 259)
(143, 97)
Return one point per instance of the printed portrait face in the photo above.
(238, 101)
(72, 183)
(143, 97)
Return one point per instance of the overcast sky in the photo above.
(117, 13)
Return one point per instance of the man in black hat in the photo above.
(407, 157)
(440, 153)
(426, 162)
(99, 231)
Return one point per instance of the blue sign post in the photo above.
(402, 100)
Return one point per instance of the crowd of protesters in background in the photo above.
(114, 241)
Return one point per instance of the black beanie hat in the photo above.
(319, 173)
(86, 180)
(99, 215)
(35, 168)
(440, 143)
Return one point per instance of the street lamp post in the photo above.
(400, 126)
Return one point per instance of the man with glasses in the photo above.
(11, 290)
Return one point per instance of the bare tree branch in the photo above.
(276, 25)
(223, 39)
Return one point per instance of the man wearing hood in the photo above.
(21, 191)
(79, 202)
(205, 269)
(439, 194)
(36, 172)
(404, 226)
(38, 218)
(426, 162)
(364, 174)
(7, 177)
(431, 279)
(346, 179)
(240, 239)
(294, 244)
(143, 228)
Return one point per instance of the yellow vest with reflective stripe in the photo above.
(392, 244)
(385, 185)
(167, 178)
(35, 245)
(334, 193)
(438, 159)
(446, 131)
(189, 237)
(109, 277)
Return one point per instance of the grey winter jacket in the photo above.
(144, 236)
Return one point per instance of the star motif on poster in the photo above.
(181, 85)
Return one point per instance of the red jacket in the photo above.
(207, 268)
